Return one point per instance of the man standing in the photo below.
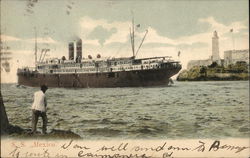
(39, 109)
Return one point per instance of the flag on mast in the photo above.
(231, 30)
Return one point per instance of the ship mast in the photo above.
(35, 47)
(132, 38)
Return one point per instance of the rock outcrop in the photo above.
(4, 119)
(214, 72)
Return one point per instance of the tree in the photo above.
(63, 58)
(213, 65)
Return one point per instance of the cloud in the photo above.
(199, 46)
(101, 34)
(221, 28)
(154, 37)
(205, 37)
(88, 24)
(196, 46)
(42, 40)
(94, 42)
(193, 45)
(213, 23)
(6, 38)
(155, 44)
(120, 30)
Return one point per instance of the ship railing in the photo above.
(27, 70)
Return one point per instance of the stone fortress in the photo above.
(230, 56)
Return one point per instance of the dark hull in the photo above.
(136, 78)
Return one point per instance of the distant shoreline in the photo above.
(216, 77)
(214, 72)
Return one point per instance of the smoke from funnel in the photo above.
(78, 50)
(71, 51)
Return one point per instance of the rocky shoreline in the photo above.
(9, 130)
(214, 72)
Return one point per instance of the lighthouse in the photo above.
(215, 48)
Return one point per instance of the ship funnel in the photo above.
(79, 51)
(71, 51)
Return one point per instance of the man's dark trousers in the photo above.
(35, 116)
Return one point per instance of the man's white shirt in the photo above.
(40, 101)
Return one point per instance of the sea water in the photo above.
(212, 109)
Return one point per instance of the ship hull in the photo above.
(135, 78)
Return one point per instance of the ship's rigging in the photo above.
(5, 57)
(132, 39)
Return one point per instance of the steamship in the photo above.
(79, 72)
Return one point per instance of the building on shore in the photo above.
(230, 56)
(215, 48)
(193, 63)
(234, 56)
(215, 54)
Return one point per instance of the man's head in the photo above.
(44, 88)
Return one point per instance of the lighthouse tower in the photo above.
(215, 48)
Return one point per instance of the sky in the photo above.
(103, 25)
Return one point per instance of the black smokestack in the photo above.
(79, 51)
(71, 51)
